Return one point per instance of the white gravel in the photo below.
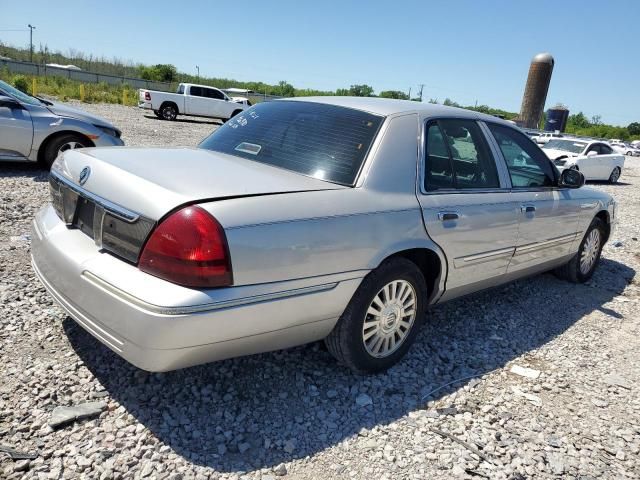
(297, 414)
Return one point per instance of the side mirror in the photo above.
(571, 178)
(592, 153)
(9, 102)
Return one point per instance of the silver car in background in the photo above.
(335, 218)
(35, 129)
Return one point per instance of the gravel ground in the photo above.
(297, 414)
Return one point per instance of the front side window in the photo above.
(528, 166)
(595, 147)
(212, 93)
(321, 141)
(457, 156)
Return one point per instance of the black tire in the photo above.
(168, 111)
(571, 271)
(615, 175)
(346, 342)
(61, 143)
(157, 113)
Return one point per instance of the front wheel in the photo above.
(581, 267)
(615, 175)
(58, 145)
(382, 319)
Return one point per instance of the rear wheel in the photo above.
(615, 175)
(581, 267)
(58, 145)
(382, 319)
(157, 113)
(168, 112)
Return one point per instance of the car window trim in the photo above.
(505, 182)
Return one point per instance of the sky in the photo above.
(465, 50)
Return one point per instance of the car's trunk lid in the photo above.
(117, 195)
(153, 181)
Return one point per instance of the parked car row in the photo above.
(335, 218)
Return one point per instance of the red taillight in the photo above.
(188, 248)
(147, 96)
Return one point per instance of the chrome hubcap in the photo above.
(389, 318)
(590, 251)
(69, 146)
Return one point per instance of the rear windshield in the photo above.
(317, 140)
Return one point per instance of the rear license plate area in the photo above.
(85, 211)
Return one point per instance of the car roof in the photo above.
(389, 106)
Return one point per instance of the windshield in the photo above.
(566, 146)
(321, 141)
(18, 95)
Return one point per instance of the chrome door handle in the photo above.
(527, 208)
(444, 216)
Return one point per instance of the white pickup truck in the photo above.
(191, 99)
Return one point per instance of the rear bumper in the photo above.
(145, 105)
(159, 326)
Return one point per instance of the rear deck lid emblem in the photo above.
(84, 175)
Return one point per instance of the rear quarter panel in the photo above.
(298, 235)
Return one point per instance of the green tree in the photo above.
(342, 92)
(578, 120)
(634, 128)
(450, 103)
(286, 89)
(394, 94)
(361, 91)
(159, 73)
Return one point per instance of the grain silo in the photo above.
(557, 118)
(535, 92)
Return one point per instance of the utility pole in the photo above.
(420, 93)
(31, 29)
(198, 68)
(409, 93)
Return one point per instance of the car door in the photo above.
(466, 205)
(548, 215)
(216, 103)
(591, 165)
(16, 131)
(197, 103)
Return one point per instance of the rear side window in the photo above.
(322, 141)
(458, 157)
(180, 90)
(196, 91)
(528, 166)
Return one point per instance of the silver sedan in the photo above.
(35, 129)
(340, 219)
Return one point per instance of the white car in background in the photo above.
(545, 137)
(624, 149)
(595, 159)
